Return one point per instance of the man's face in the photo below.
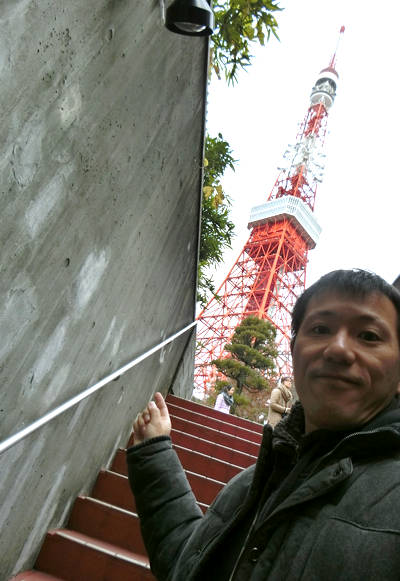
(287, 383)
(346, 359)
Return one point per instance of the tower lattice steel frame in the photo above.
(270, 272)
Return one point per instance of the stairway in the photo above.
(102, 540)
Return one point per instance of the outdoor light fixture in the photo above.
(190, 17)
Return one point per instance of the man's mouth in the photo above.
(337, 377)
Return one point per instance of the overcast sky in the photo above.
(357, 205)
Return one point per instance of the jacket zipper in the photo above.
(245, 544)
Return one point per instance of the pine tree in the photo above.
(253, 351)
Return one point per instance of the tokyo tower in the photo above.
(270, 272)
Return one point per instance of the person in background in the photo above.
(280, 401)
(224, 401)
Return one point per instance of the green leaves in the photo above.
(239, 23)
(217, 158)
(216, 228)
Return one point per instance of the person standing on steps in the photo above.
(280, 401)
(323, 500)
(224, 400)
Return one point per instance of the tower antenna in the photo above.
(334, 56)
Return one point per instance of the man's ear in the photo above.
(292, 340)
(398, 388)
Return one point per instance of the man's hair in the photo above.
(356, 283)
(285, 378)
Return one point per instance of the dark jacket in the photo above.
(325, 507)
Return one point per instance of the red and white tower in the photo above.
(270, 272)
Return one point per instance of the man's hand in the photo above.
(153, 421)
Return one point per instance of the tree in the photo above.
(253, 351)
(216, 228)
(237, 24)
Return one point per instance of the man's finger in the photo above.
(141, 422)
(160, 403)
(153, 410)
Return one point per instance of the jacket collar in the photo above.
(286, 393)
(289, 433)
(288, 439)
(291, 428)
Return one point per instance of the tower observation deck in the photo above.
(270, 272)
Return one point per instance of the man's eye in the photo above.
(369, 336)
(320, 329)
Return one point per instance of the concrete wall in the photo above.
(101, 122)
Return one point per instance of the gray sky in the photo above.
(357, 205)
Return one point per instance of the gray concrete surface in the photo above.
(101, 123)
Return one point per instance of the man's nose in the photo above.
(340, 348)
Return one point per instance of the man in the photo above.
(280, 401)
(323, 501)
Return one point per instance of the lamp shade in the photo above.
(190, 17)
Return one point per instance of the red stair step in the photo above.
(35, 576)
(114, 489)
(206, 410)
(213, 435)
(78, 557)
(206, 465)
(107, 523)
(205, 489)
(190, 460)
(213, 449)
(217, 424)
(119, 464)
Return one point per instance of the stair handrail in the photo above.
(21, 434)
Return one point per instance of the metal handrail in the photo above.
(12, 440)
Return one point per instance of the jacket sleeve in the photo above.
(275, 401)
(165, 503)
